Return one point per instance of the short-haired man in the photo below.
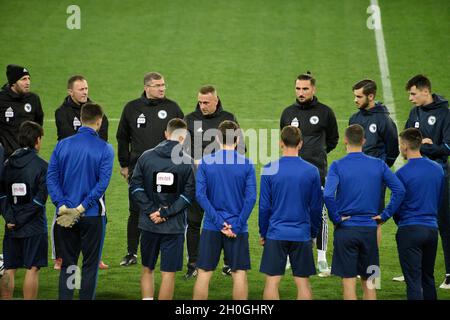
(163, 186)
(431, 116)
(68, 115)
(68, 121)
(320, 136)
(142, 127)
(208, 115)
(17, 105)
(417, 234)
(380, 130)
(226, 190)
(79, 172)
(22, 199)
(352, 193)
(290, 212)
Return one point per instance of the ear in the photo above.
(282, 144)
(300, 145)
(166, 135)
(364, 141)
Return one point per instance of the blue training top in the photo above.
(424, 182)
(290, 202)
(79, 172)
(226, 190)
(353, 188)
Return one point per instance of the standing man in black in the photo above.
(68, 121)
(17, 105)
(380, 130)
(320, 133)
(431, 116)
(142, 127)
(208, 115)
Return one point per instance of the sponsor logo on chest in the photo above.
(76, 123)
(9, 114)
(141, 121)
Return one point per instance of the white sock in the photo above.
(321, 255)
(147, 298)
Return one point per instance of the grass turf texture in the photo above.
(252, 51)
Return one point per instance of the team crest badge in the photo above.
(27, 107)
(314, 120)
(162, 114)
(431, 120)
(373, 128)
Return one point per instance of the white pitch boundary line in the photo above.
(388, 96)
(239, 120)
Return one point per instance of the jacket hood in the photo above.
(21, 157)
(378, 108)
(438, 102)
(151, 102)
(164, 149)
(307, 104)
(212, 115)
(68, 101)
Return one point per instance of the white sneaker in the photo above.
(446, 283)
(324, 270)
(399, 279)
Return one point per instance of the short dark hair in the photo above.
(420, 81)
(152, 76)
(368, 86)
(228, 132)
(176, 124)
(29, 132)
(307, 76)
(207, 89)
(355, 134)
(72, 80)
(291, 136)
(91, 112)
(412, 137)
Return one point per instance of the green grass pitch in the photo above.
(252, 51)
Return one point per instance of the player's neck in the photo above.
(413, 154)
(352, 149)
(290, 152)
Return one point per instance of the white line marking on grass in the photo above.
(388, 96)
(239, 120)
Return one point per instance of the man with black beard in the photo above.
(380, 130)
(318, 125)
(17, 105)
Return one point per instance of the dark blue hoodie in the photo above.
(163, 178)
(380, 132)
(433, 121)
(24, 193)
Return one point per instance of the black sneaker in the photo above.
(226, 270)
(128, 260)
(191, 272)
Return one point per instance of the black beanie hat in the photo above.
(15, 72)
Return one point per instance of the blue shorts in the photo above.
(355, 252)
(273, 262)
(25, 252)
(171, 247)
(236, 249)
